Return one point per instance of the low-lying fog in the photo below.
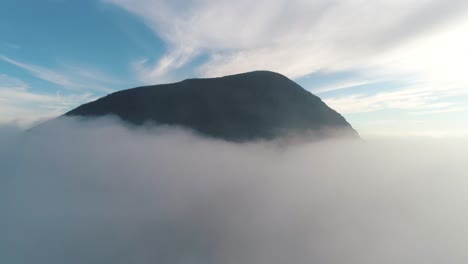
(99, 192)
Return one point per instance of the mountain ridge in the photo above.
(241, 107)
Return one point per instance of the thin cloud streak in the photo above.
(75, 79)
(342, 86)
(43, 73)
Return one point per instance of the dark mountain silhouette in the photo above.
(242, 107)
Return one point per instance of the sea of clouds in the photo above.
(102, 192)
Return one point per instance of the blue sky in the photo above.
(392, 68)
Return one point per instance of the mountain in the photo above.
(242, 107)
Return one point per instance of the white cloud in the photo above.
(439, 59)
(292, 37)
(162, 71)
(98, 192)
(20, 105)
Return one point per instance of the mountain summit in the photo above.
(242, 107)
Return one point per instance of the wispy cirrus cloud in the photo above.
(43, 73)
(293, 37)
(69, 77)
(163, 70)
(343, 85)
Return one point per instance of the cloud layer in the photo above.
(100, 192)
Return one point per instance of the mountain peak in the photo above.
(241, 107)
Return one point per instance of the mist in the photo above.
(103, 192)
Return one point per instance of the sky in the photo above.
(392, 68)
